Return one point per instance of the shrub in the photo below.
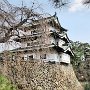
(5, 84)
(87, 86)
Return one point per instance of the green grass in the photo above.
(5, 84)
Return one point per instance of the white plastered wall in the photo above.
(65, 58)
(61, 42)
(50, 55)
(52, 40)
(24, 44)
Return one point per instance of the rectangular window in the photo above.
(28, 44)
(43, 56)
(30, 57)
(33, 32)
(22, 58)
(57, 43)
(25, 57)
(13, 57)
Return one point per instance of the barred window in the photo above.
(28, 44)
(30, 57)
(43, 56)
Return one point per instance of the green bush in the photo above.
(5, 84)
(87, 86)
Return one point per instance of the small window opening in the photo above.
(22, 58)
(34, 32)
(28, 44)
(60, 56)
(33, 26)
(13, 57)
(25, 58)
(1, 58)
(57, 43)
(30, 57)
(43, 56)
(25, 51)
(34, 38)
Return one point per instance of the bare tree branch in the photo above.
(86, 2)
(11, 20)
(59, 3)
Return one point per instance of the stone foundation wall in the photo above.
(39, 75)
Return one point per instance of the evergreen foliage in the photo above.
(87, 86)
(80, 51)
(81, 62)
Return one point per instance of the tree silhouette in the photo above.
(13, 18)
(63, 3)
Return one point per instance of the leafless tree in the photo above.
(12, 18)
(62, 3)
(59, 3)
(86, 2)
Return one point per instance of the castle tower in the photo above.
(45, 39)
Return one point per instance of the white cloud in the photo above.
(77, 5)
